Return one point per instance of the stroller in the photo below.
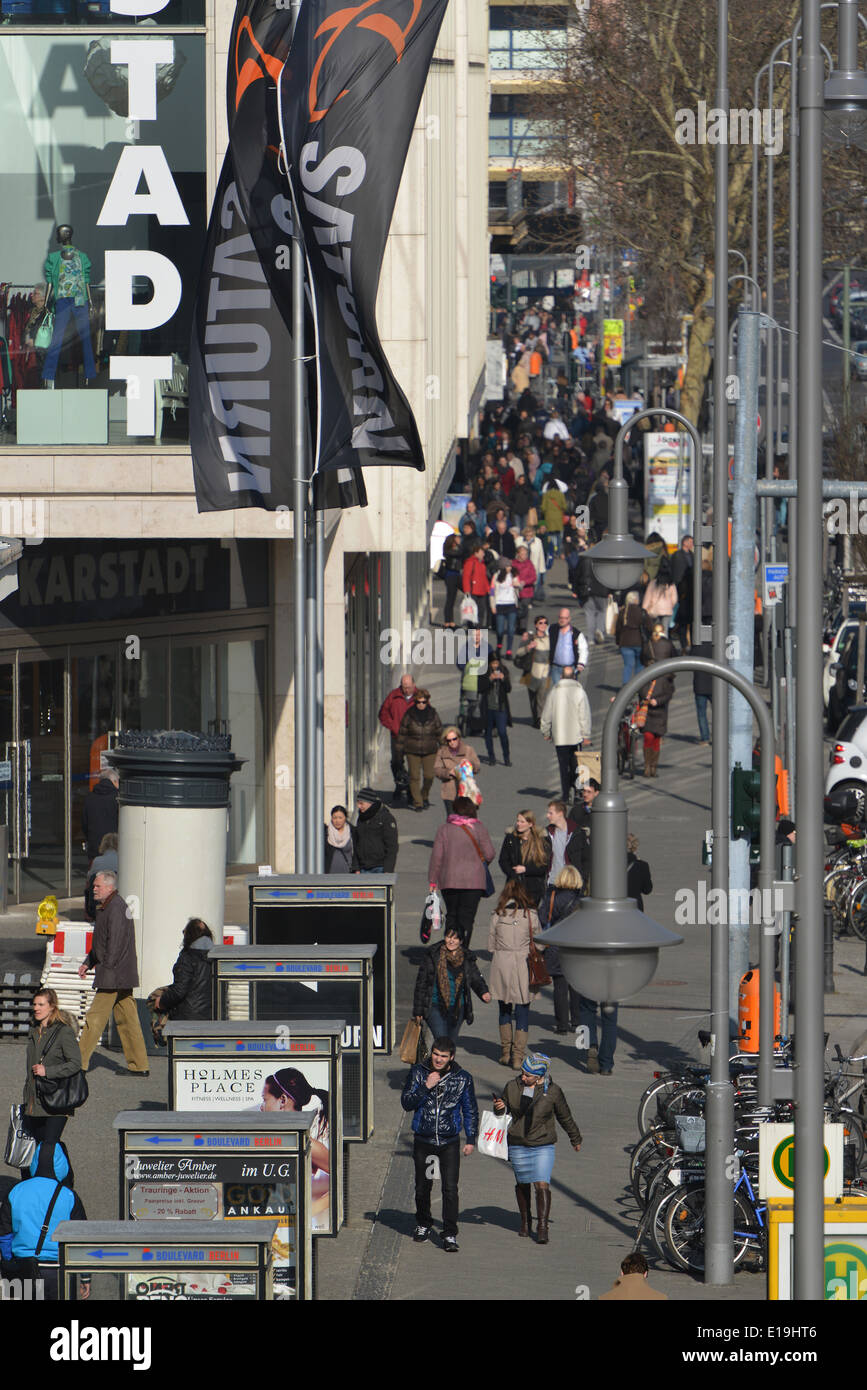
(470, 718)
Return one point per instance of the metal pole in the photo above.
(319, 763)
(719, 1104)
(793, 326)
(847, 365)
(809, 1001)
(314, 826)
(741, 621)
(299, 509)
(695, 490)
(788, 857)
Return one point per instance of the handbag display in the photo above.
(539, 976)
(62, 1093)
(20, 1146)
(489, 889)
(45, 332)
(640, 716)
(493, 1130)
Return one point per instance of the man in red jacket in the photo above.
(394, 707)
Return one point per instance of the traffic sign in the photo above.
(777, 1174)
(773, 579)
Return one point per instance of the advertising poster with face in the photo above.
(305, 1088)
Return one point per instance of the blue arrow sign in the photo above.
(209, 1046)
(250, 965)
(159, 1139)
(107, 1254)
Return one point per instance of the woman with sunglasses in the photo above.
(452, 752)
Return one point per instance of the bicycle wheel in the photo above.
(648, 1113)
(853, 1138)
(648, 1156)
(687, 1100)
(856, 911)
(684, 1229)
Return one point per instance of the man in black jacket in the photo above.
(376, 835)
(442, 1098)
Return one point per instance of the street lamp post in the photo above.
(809, 1000)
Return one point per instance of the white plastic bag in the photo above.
(469, 610)
(434, 910)
(492, 1134)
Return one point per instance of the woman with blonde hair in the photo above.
(526, 854)
(630, 634)
(452, 753)
(52, 1052)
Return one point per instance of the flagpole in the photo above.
(319, 721)
(299, 511)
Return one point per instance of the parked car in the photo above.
(843, 693)
(833, 652)
(859, 359)
(847, 769)
(857, 295)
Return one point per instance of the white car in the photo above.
(848, 759)
(833, 652)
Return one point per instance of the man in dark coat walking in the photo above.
(99, 814)
(113, 955)
(376, 839)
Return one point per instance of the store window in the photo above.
(97, 13)
(104, 210)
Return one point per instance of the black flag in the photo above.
(349, 95)
(241, 420)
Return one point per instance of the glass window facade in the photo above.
(96, 13)
(92, 193)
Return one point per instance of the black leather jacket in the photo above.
(440, 1111)
(190, 996)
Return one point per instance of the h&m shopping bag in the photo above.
(492, 1134)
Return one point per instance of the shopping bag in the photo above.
(469, 610)
(409, 1043)
(433, 916)
(492, 1134)
(20, 1146)
(611, 616)
(588, 765)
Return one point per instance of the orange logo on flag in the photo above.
(251, 70)
(338, 23)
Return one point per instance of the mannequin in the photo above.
(67, 274)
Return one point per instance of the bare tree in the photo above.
(629, 109)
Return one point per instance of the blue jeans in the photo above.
(701, 704)
(553, 544)
(631, 662)
(497, 720)
(64, 310)
(587, 1019)
(522, 1015)
(506, 620)
(440, 1028)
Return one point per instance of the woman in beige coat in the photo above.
(451, 752)
(512, 924)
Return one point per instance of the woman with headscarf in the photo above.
(340, 855)
(534, 1101)
(657, 695)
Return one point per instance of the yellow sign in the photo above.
(845, 1272)
(783, 1162)
(612, 342)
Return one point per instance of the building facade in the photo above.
(127, 608)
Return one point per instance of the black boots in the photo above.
(522, 1192)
